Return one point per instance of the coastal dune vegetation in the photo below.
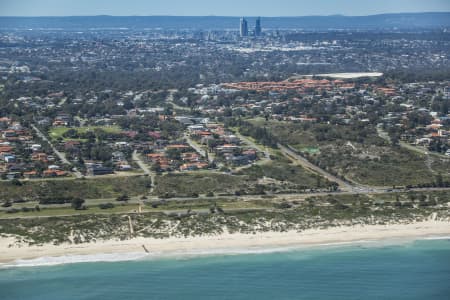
(213, 217)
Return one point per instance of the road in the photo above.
(254, 145)
(137, 200)
(169, 99)
(141, 164)
(136, 158)
(307, 165)
(384, 135)
(430, 156)
(82, 121)
(345, 186)
(197, 147)
(60, 155)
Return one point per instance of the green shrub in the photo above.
(106, 206)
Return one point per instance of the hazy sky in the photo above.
(216, 7)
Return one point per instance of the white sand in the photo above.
(227, 243)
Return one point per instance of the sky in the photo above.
(265, 8)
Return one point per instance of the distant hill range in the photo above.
(403, 21)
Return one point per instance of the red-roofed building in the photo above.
(54, 173)
(193, 166)
(155, 134)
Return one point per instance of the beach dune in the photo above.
(11, 251)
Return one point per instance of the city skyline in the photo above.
(245, 31)
(235, 8)
(243, 28)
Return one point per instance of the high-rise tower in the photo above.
(258, 29)
(244, 27)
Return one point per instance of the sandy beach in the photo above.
(227, 243)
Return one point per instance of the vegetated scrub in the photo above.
(384, 166)
(33, 212)
(206, 204)
(191, 184)
(82, 188)
(441, 166)
(274, 177)
(315, 212)
(355, 152)
(300, 178)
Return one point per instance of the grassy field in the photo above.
(83, 188)
(358, 154)
(57, 132)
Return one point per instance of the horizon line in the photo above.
(225, 16)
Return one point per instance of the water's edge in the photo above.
(136, 256)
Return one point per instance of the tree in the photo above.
(123, 198)
(173, 154)
(77, 203)
(7, 204)
(334, 186)
(439, 180)
(16, 181)
(71, 133)
(106, 205)
(318, 181)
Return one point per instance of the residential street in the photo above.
(60, 155)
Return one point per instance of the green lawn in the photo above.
(310, 150)
(57, 132)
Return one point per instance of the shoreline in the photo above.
(238, 243)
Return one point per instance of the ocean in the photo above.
(373, 270)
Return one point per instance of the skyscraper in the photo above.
(258, 29)
(244, 27)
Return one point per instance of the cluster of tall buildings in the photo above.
(244, 31)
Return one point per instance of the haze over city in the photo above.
(215, 7)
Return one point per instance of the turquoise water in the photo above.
(413, 270)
